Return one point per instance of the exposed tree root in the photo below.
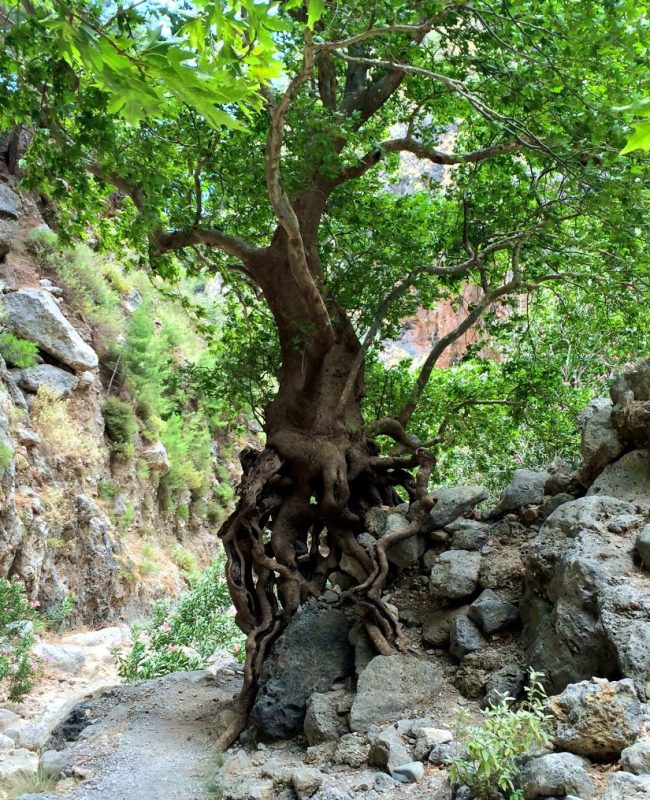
(301, 506)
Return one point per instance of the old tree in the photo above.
(272, 142)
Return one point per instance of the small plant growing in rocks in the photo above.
(17, 666)
(492, 752)
(184, 636)
(17, 352)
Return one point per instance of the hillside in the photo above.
(114, 475)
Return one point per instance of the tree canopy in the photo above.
(342, 164)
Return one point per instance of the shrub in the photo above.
(60, 430)
(491, 758)
(17, 352)
(42, 241)
(17, 668)
(57, 616)
(121, 425)
(184, 636)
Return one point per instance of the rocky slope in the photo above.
(75, 521)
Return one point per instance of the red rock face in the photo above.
(425, 326)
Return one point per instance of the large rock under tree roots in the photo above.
(390, 687)
(312, 654)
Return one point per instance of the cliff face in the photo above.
(83, 528)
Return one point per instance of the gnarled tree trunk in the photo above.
(302, 500)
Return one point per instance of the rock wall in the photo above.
(73, 520)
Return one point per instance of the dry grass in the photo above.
(39, 783)
(62, 435)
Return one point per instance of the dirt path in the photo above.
(150, 741)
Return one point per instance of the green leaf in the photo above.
(640, 139)
(315, 10)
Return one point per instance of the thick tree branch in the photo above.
(420, 150)
(396, 68)
(323, 336)
(414, 31)
(168, 241)
(440, 345)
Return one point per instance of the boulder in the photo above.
(625, 786)
(306, 781)
(323, 722)
(352, 750)
(437, 625)
(156, 458)
(8, 719)
(412, 772)
(627, 479)
(464, 637)
(556, 774)
(57, 380)
(9, 203)
(16, 766)
(525, 489)
(309, 657)
(580, 618)
(600, 444)
(598, 718)
(34, 314)
(427, 738)
(390, 687)
(636, 757)
(468, 534)
(625, 618)
(508, 680)
(642, 544)
(66, 658)
(632, 385)
(491, 613)
(405, 553)
(387, 751)
(455, 574)
(452, 502)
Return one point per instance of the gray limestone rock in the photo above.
(636, 757)
(491, 613)
(556, 774)
(627, 479)
(455, 574)
(57, 380)
(600, 441)
(598, 718)
(9, 203)
(525, 489)
(391, 686)
(33, 314)
(453, 502)
(464, 637)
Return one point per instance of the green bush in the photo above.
(57, 616)
(491, 757)
(121, 425)
(184, 636)
(17, 667)
(17, 352)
